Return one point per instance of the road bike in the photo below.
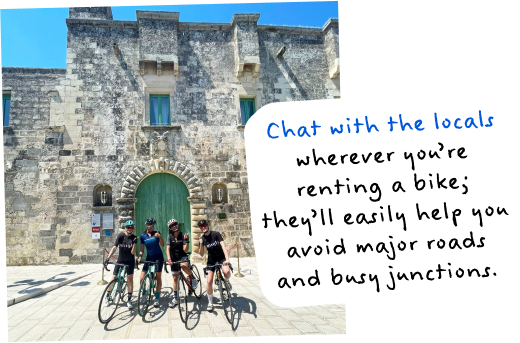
(113, 294)
(185, 282)
(225, 294)
(147, 288)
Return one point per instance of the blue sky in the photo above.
(38, 37)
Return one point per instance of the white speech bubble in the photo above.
(476, 157)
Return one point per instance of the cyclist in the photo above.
(126, 241)
(176, 248)
(217, 253)
(151, 240)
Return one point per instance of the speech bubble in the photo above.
(382, 217)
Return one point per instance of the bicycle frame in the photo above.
(182, 274)
(120, 277)
(225, 294)
(116, 286)
(146, 293)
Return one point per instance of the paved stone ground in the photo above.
(71, 313)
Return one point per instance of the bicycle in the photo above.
(147, 287)
(114, 292)
(182, 298)
(225, 294)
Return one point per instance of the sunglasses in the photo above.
(151, 225)
(129, 227)
(175, 224)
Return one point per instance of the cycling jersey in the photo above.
(176, 246)
(125, 244)
(212, 243)
(151, 243)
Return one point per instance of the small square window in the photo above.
(6, 105)
(159, 109)
(247, 109)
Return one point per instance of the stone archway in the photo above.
(196, 199)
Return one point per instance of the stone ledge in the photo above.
(291, 29)
(204, 26)
(157, 15)
(332, 22)
(58, 128)
(161, 128)
(23, 70)
(125, 200)
(101, 22)
(102, 208)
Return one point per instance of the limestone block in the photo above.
(196, 218)
(198, 205)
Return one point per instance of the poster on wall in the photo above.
(96, 232)
(96, 219)
(108, 221)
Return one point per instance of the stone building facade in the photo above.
(84, 140)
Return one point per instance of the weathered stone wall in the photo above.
(93, 127)
(31, 165)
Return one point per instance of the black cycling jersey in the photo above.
(176, 246)
(212, 243)
(125, 244)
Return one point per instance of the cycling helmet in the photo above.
(172, 221)
(129, 223)
(150, 221)
(202, 222)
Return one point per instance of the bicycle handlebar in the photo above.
(105, 265)
(152, 262)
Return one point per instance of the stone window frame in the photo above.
(214, 193)
(247, 90)
(243, 95)
(96, 195)
(6, 95)
(156, 91)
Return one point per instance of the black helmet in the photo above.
(202, 222)
(150, 221)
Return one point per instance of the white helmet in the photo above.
(172, 221)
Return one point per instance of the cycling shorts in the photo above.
(129, 269)
(154, 258)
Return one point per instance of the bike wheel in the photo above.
(144, 296)
(225, 297)
(196, 275)
(182, 298)
(107, 309)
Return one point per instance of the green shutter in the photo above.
(162, 197)
(159, 109)
(247, 109)
(6, 106)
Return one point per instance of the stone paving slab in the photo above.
(25, 282)
(71, 312)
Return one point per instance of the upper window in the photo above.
(247, 109)
(159, 109)
(103, 195)
(6, 105)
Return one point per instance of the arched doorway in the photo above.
(162, 196)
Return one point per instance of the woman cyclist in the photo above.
(151, 240)
(217, 253)
(126, 241)
(176, 249)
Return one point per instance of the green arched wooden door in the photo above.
(162, 196)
